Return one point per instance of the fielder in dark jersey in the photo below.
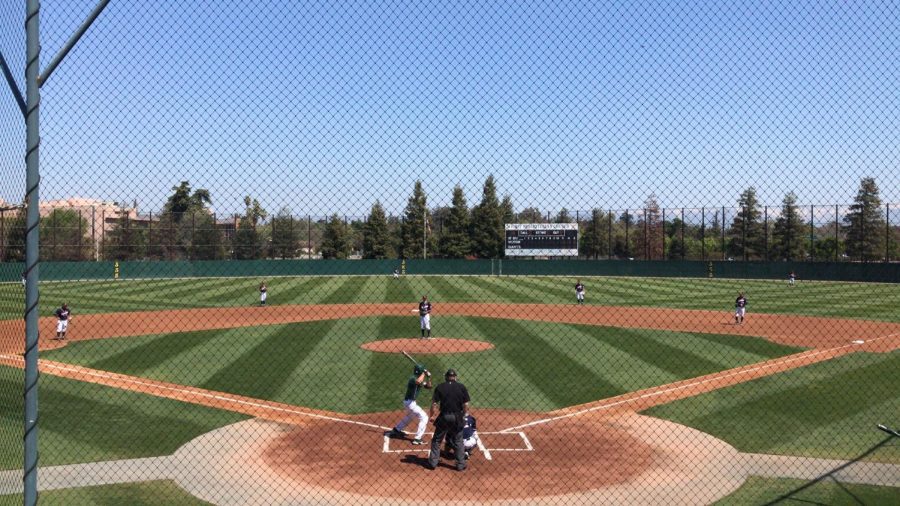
(579, 292)
(63, 315)
(740, 307)
(425, 317)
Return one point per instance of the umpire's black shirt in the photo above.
(451, 396)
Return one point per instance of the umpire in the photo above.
(453, 399)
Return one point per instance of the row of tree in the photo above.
(187, 229)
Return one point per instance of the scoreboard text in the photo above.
(542, 239)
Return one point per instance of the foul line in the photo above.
(717, 377)
(186, 391)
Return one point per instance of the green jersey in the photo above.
(412, 388)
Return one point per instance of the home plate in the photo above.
(858, 341)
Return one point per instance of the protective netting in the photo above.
(265, 226)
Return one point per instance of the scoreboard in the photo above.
(541, 239)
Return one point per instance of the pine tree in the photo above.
(649, 236)
(376, 236)
(416, 238)
(14, 249)
(747, 232)
(125, 240)
(455, 241)
(788, 232)
(864, 224)
(285, 234)
(595, 235)
(63, 236)
(488, 234)
(247, 239)
(336, 239)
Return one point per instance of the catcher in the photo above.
(420, 378)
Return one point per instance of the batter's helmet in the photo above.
(418, 369)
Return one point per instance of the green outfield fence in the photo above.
(809, 271)
(661, 240)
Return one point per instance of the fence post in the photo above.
(663, 234)
(703, 234)
(723, 233)
(609, 236)
(744, 232)
(836, 238)
(887, 233)
(812, 233)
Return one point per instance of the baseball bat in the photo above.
(407, 355)
(889, 431)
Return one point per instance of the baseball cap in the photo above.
(450, 372)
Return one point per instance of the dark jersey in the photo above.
(412, 388)
(451, 396)
(424, 308)
(62, 314)
(740, 302)
(470, 427)
(579, 288)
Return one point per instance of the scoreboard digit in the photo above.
(542, 239)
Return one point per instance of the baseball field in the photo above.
(188, 389)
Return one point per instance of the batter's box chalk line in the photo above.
(485, 450)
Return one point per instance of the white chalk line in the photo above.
(486, 451)
(792, 358)
(187, 391)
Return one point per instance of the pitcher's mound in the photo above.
(427, 346)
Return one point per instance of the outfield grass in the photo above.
(758, 490)
(148, 493)
(835, 299)
(826, 410)
(84, 422)
(535, 365)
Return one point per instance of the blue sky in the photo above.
(327, 106)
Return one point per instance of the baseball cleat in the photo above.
(418, 442)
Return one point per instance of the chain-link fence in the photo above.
(276, 237)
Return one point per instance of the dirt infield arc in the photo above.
(317, 453)
(794, 330)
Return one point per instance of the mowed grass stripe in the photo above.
(792, 413)
(295, 290)
(263, 370)
(496, 293)
(554, 374)
(620, 368)
(345, 292)
(651, 348)
(84, 422)
(325, 290)
(159, 350)
(400, 290)
(448, 292)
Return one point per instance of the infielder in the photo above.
(579, 292)
(740, 307)
(63, 316)
(425, 317)
(420, 378)
(263, 293)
